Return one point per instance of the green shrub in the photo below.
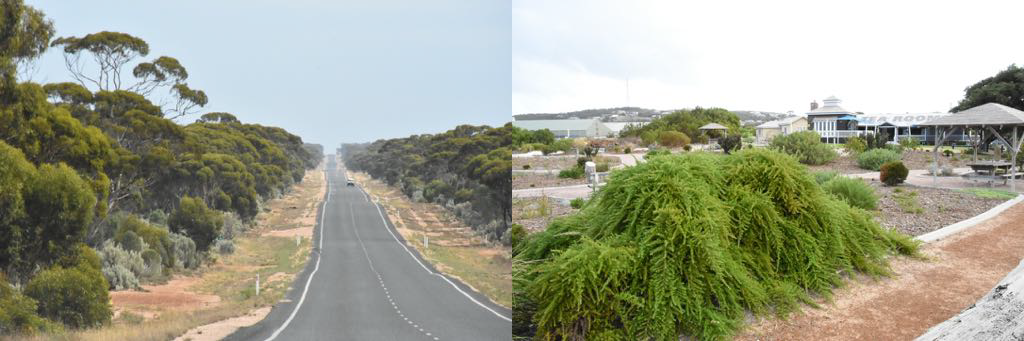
(730, 143)
(947, 152)
(514, 236)
(158, 217)
(201, 223)
(824, 176)
(602, 167)
(703, 139)
(853, 191)
(898, 148)
(690, 243)
(18, 312)
(873, 159)
(156, 237)
(806, 146)
(571, 173)
(576, 203)
(224, 246)
(76, 297)
(671, 139)
(628, 150)
(876, 141)
(153, 262)
(909, 143)
(129, 241)
(893, 173)
(855, 145)
(526, 167)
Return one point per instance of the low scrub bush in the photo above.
(576, 203)
(855, 192)
(909, 143)
(185, 254)
(689, 244)
(806, 146)
(201, 223)
(945, 170)
(224, 246)
(76, 297)
(571, 173)
(855, 145)
(122, 268)
(875, 158)
(672, 139)
(155, 237)
(893, 173)
(602, 167)
(824, 176)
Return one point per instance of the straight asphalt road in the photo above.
(363, 283)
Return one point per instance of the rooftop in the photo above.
(985, 114)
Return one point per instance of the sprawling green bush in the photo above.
(873, 159)
(577, 203)
(155, 237)
(893, 173)
(122, 268)
(731, 143)
(75, 296)
(855, 192)
(199, 222)
(690, 243)
(18, 312)
(806, 146)
(670, 139)
(824, 176)
(571, 173)
(855, 145)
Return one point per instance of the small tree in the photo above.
(198, 221)
(75, 296)
(855, 145)
(731, 143)
(893, 173)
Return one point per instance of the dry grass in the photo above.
(453, 247)
(231, 277)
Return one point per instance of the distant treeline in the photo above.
(467, 169)
(100, 188)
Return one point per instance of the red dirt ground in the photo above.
(959, 270)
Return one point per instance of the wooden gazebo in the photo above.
(991, 122)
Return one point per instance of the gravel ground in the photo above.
(939, 207)
(557, 162)
(847, 164)
(526, 212)
(523, 181)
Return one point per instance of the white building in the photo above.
(768, 130)
(571, 128)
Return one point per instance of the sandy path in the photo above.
(961, 269)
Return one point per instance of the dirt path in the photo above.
(960, 270)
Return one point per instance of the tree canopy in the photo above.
(686, 121)
(1006, 88)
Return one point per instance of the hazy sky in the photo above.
(329, 71)
(877, 56)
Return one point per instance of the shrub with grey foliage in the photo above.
(185, 253)
(224, 246)
(121, 267)
(233, 226)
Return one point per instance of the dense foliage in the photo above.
(806, 146)
(688, 244)
(893, 173)
(467, 169)
(731, 143)
(82, 161)
(1006, 88)
(686, 121)
(874, 159)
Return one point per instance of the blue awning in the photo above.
(848, 118)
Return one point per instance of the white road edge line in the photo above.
(323, 214)
(431, 272)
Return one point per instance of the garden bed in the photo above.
(557, 162)
(847, 164)
(533, 215)
(538, 180)
(919, 210)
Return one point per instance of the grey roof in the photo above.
(779, 123)
(713, 126)
(554, 125)
(829, 109)
(985, 114)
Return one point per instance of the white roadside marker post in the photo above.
(298, 240)
(257, 284)
(426, 243)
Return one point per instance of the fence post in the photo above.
(257, 284)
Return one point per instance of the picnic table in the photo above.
(990, 167)
(990, 171)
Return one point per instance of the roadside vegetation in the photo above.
(468, 170)
(103, 189)
(689, 243)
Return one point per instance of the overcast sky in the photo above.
(877, 56)
(329, 71)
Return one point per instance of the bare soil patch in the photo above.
(959, 270)
(939, 207)
(221, 329)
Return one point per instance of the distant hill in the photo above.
(586, 114)
(747, 117)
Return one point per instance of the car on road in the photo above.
(351, 183)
